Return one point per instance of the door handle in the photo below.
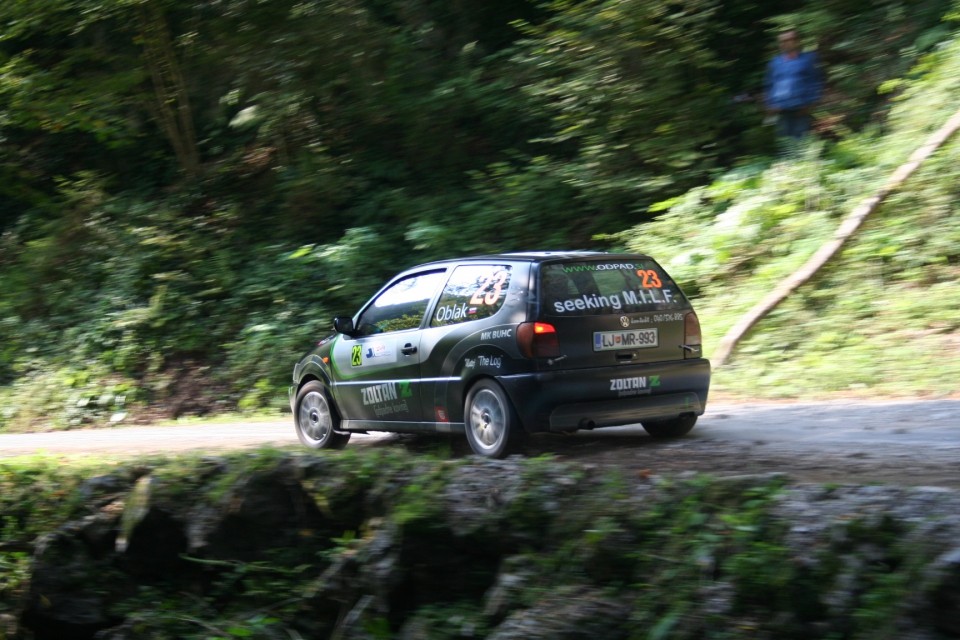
(408, 349)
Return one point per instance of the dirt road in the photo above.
(908, 442)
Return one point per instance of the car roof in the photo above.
(535, 256)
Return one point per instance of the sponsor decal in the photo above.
(389, 409)
(589, 301)
(668, 317)
(658, 318)
(648, 296)
(575, 268)
(378, 393)
(496, 335)
(381, 351)
(454, 312)
(491, 362)
(630, 339)
(441, 414)
(386, 392)
(614, 302)
(387, 398)
(634, 386)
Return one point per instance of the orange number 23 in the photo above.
(650, 279)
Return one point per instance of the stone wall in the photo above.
(313, 546)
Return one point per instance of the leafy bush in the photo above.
(205, 223)
(880, 315)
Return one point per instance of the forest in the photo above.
(190, 191)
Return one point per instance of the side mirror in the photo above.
(343, 324)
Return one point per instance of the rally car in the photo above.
(500, 346)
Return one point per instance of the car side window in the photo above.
(401, 306)
(474, 291)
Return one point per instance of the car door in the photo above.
(471, 298)
(377, 369)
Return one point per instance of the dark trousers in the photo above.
(793, 123)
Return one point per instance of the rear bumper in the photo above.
(587, 415)
(609, 396)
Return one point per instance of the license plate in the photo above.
(633, 339)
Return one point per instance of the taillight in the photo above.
(538, 340)
(692, 338)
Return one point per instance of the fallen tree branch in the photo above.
(829, 249)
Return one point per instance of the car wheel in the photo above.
(316, 420)
(492, 425)
(670, 428)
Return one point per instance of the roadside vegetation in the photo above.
(368, 544)
(878, 321)
(189, 192)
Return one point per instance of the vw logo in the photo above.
(624, 321)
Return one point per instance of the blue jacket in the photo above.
(793, 83)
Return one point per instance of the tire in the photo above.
(316, 419)
(671, 427)
(492, 425)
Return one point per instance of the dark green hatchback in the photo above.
(505, 345)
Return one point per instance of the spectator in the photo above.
(793, 86)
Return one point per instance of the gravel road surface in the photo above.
(899, 442)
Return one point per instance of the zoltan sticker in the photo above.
(634, 386)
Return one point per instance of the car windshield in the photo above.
(596, 288)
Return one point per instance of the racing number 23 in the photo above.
(650, 279)
(491, 289)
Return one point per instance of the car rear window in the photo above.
(597, 288)
(473, 292)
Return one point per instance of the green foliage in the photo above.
(662, 546)
(417, 507)
(876, 318)
(864, 46)
(37, 494)
(449, 621)
(69, 397)
(190, 191)
(634, 88)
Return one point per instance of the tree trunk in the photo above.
(171, 104)
(828, 250)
